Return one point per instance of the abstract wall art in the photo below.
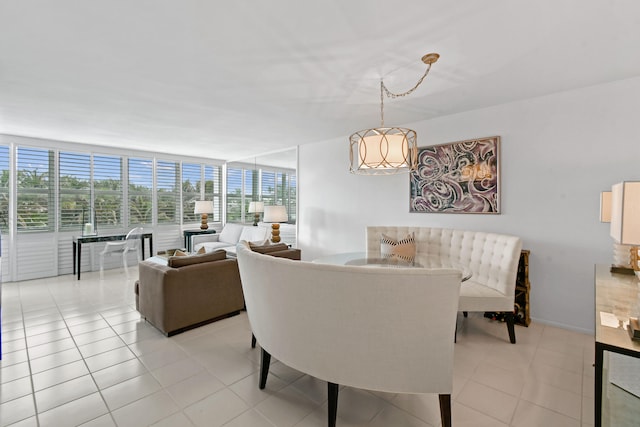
(458, 177)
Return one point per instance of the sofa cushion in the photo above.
(404, 249)
(230, 234)
(176, 262)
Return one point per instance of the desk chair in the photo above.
(131, 243)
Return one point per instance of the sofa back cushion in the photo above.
(492, 258)
(230, 233)
(181, 261)
(254, 234)
(265, 249)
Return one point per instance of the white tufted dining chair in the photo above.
(381, 329)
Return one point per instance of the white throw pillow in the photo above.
(404, 249)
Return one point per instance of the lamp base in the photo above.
(203, 222)
(620, 269)
(275, 232)
(256, 218)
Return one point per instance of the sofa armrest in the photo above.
(201, 238)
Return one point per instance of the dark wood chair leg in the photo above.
(455, 333)
(465, 313)
(445, 410)
(510, 326)
(333, 404)
(264, 368)
(253, 341)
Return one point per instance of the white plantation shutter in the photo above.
(4, 189)
(74, 189)
(108, 194)
(140, 175)
(191, 184)
(168, 191)
(35, 184)
(234, 195)
(213, 190)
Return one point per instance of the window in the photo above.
(168, 190)
(107, 189)
(4, 188)
(74, 183)
(273, 187)
(234, 195)
(268, 188)
(140, 173)
(191, 179)
(35, 203)
(213, 190)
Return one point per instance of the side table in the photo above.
(188, 233)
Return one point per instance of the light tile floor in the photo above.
(78, 353)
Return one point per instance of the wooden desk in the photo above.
(79, 240)
(617, 296)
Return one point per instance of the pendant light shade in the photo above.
(383, 151)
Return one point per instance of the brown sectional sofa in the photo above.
(189, 291)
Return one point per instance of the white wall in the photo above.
(558, 153)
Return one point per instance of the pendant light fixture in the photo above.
(387, 150)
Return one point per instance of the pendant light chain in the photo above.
(384, 90)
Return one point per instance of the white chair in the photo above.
(131, 243)
(382, 329)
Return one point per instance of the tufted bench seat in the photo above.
(491, 258)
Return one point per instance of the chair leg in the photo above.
(510, 326)
(101, 266)
(445, 410)
(455, 333)
(253, 341)
(264, 368)
(333, 404)
(465, 313)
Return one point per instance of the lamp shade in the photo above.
(256, 207)
(275, 214)
(383, 151)
(625, 213)
(203, 206)
(605, 206)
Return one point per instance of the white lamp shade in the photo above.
(256, 207)
(625, 212)
(383, 151)
(203, 206)
(275, 214)
(605, 206)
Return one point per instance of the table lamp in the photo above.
(256, 208)
(625, 218)
(621, 253)
(275, 215)
(203, 207)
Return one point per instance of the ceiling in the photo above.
(235, 79)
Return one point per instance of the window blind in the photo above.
(140, 174)
(108, 190)
(4, 188)
(74, 189)
(35, 202)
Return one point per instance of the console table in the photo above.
(188, 233)
(617, 298)
(79, 240)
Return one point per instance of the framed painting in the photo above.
(458, 177)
